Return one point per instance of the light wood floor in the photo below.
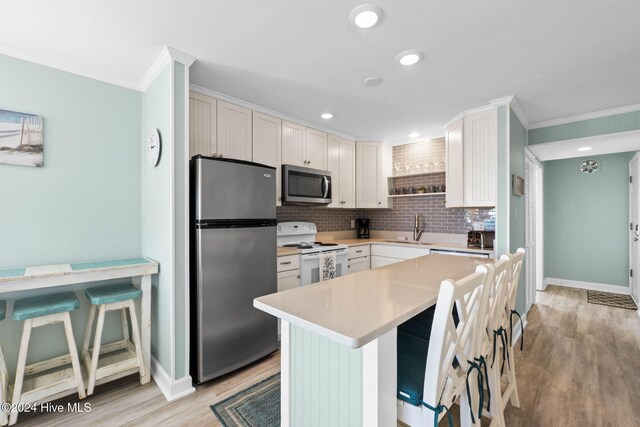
(580, 367)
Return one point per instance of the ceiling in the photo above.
(302, 58)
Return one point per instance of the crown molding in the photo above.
(167, 55)
(68, 67)
(227, 98)
(498, 102)
(519, 112)
(467, 112)
(586, 116)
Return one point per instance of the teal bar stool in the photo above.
(37, 312)
(4, 376)
(106, 298)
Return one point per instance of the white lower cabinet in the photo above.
(358, 259)
(384, 255)
(288, 268)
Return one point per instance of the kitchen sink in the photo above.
(409, 242)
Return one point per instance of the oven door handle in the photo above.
(325, 186)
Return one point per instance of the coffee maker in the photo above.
(362, 225)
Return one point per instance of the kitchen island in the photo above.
(338, 342)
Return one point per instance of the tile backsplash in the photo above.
(434, 216)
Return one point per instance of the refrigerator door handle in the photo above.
(325, 186)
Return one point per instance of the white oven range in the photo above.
(302, 235)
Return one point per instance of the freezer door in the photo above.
(234, 266)
(228, 189)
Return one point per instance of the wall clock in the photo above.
(153, 147)
(589, 166)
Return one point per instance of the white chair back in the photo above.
(444, 381)
(494, 314)
(514, 273)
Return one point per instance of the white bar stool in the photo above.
(36, 312)
(4, 376)
(109, 298)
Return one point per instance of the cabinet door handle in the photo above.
(379, 203)
(359, 252)
(285, 263)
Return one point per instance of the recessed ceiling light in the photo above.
(414, 135)
(326, 116)
(373, 81)
(409, 57)
(366, 16)
(584, 149)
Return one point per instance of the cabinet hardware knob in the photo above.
(298, 276)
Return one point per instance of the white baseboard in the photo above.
(587, 285)
(172, 390)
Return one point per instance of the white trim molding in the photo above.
(587, 285)
(171, 389)
(587, 116)
(466, 112)
(619, 142)
(167, 55)
(68, 67)
(228, 98)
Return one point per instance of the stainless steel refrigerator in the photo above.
(233, 261)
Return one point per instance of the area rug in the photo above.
(256, 406)
(611, 299)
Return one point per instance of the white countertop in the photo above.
(358, 308)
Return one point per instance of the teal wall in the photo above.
(84, 204)
(517, 143)
(586, 220)
(593, 127)
(326, 381)
(504, 183)
(157, 214)
(181, 166)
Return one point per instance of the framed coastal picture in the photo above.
(21, 139)
(517, 185)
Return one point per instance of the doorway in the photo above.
(634, 227)
(533, 224)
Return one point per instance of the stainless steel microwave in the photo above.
(305, 186)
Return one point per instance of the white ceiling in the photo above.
(302, 58)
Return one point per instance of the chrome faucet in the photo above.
(417, 232)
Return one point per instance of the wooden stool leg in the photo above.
(4, 382)
(125, 324)
(136, 337)
(73, 353)
(87, 333)
(22, 362)
(96, 351)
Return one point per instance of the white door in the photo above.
(293, 142)
(333, 166)
(267, 138)
(347, 176)
(533, 229)
(455, 165)
(202, 125)
(634, 213)
(316, 149)
(234, 131)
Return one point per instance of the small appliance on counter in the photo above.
(362, 225)
(481, 239)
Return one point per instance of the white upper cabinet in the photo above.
(481, 158)
(341, 162)
(333, 165)
(348, 173)
(202, 124)
(372, 166)
(267, 138)
(472, 159)
(234, 131)
(455, 165)
(293, 144)
(316, 149)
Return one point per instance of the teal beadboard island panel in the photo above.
(326, 381)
